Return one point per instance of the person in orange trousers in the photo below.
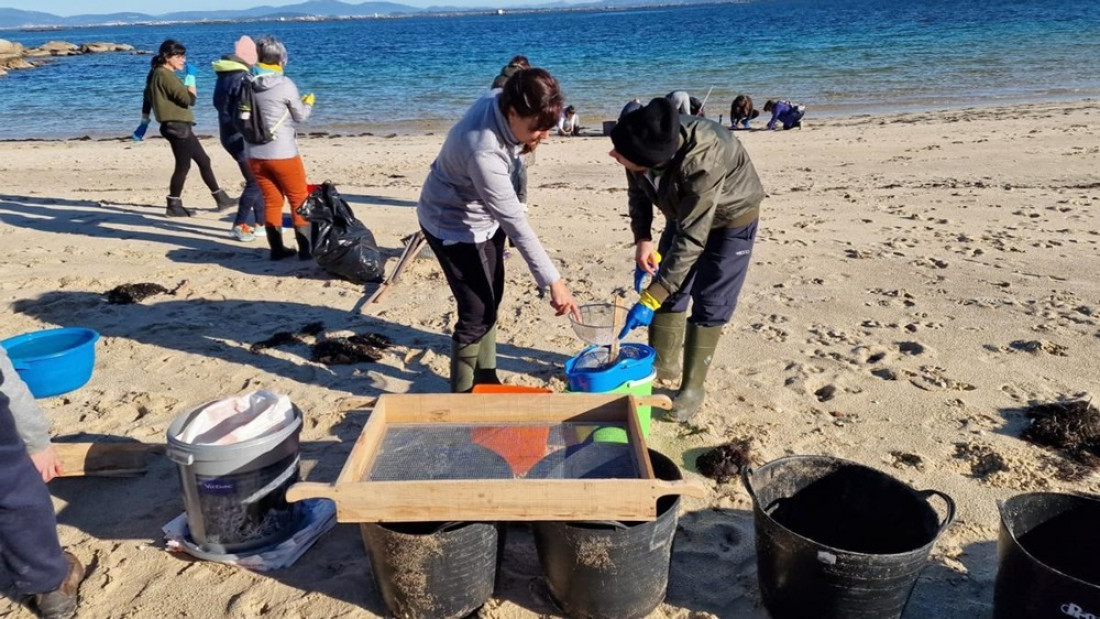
(277, 164)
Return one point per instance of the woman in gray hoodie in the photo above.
(469, 204)
(277, 165)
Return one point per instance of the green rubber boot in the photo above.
(486, 372)
(666, 336)
(463, 366)
(699, 347)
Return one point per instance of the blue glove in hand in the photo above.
(640, 273)
(189, 79)
(139, 133)
(638, 316)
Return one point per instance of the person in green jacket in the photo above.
(170, 100)
(701, 179)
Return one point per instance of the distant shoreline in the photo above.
(335, 18)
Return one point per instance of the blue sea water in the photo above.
(838, 57)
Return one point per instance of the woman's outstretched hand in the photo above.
(562, 300)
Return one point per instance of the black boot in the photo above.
(302, 236)
(175, 208)
(222, 200)
(275, 242)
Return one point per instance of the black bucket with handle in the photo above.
(1049, 551)
(610, 570)
(839, 540)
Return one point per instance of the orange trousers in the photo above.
(281, 179)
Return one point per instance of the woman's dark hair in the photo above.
(533, 93)
(169, 48)
(569, 110)
(741, 107)
(520, 61)
(769, 105)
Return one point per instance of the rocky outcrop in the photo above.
(102, 48)
(14, 56)
(8, 48)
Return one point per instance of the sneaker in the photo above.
(61, 602)
(244, 233)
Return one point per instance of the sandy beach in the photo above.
(918, 281)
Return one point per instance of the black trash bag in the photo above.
(341, 244)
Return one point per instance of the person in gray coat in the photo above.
(277, 165)
(468, 205)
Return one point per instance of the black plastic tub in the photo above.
(1049, 551)
(433, 570)
(838, 540)
(611, 570)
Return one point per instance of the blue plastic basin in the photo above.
(635, 362)
(53, 361)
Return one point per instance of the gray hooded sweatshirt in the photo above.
(282, 107)
(469, 193)
(30, 421)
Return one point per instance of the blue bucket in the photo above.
(53, 361)
(588, 372)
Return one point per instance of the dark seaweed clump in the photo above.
(1071, 427)
(353, 349)
(282, 338)
(286, 338)
(724, 462)
(133, 293)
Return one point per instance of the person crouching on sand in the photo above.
(742, 112)
(171, 101)
(277, 165)
(468, 205)
(700, 178)
(786, 113)
(232, 70)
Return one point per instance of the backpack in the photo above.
(247, 118)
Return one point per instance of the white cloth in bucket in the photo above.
(239, 418)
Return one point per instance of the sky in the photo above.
(77, 7)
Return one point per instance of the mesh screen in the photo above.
(501, 451)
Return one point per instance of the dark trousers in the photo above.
(30, 554)
(715, 282)
(250, 208)
(475, 273)
(185, 148)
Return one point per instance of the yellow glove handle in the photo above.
(649, 301)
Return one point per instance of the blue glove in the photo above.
(189, 79)
(638, 316)
(640, 273)
(139, 133)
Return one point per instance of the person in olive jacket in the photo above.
(701, 179)
(171, 101)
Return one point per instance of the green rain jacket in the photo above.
(709, 184)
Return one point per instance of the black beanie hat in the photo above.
(649, 136)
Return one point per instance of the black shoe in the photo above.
(223, 201)
(275, 241)
(61, 602)
(176, 209)
(302, 236)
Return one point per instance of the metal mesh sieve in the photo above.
(496, 450)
